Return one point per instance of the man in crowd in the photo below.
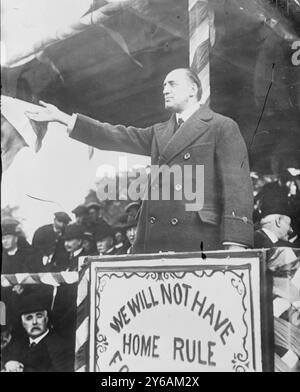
(121, 240)
(81, 215)
(275, 225)
(22, 241)
(73, 239)
(15, 259)
(105, 242)
(132, 210)
(41, 349)
(131, 232)
(48, 241)
(95, 221)
(89, 243)
(194, 137)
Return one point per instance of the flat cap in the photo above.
(9, 228)
(62, 217)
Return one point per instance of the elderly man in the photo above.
(275, 225)
(41, 350)
(194, 137)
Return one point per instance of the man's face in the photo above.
(178, 91)
(104, 244)
(118, 237)
(73, 245)
(285, 228)
(87, 245)
(59, 225)
(9, 241)
(131, 234)
(93, 215)
(35, 323)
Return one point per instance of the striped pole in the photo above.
(82, 322)
(201, 36)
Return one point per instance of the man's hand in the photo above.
(14, 366)
(48, 113)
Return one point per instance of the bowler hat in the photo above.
(276, 205)
(80, 210)
(32, 302)
(73, 231)
(62, 217)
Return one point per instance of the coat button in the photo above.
(174, 221)
(178, 187)
(152, 219)
(186, 156)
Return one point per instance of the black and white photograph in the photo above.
(150, 188)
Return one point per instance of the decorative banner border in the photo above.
(246, 268)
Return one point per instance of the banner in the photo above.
(177, 313)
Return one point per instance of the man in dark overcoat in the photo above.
(221, 213)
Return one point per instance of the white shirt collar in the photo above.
(12, 252)
(270, 234)
(37, 340)
(77, 252)
(110, 250)
(187, 113)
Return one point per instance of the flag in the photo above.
(17, 130)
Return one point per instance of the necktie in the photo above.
(178, 124)
(32, 345)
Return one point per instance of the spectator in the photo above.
(41, 349)
(132, 210)
(14, 259)
(73, 239)
(81, 215)
(275, 225)
(22, 241)
(131, 232)
(6, 339)
(96, 223)
(105, 242)
(49, 236)
(89, 244)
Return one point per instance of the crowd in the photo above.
(39, 334)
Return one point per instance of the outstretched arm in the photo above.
(49, 113)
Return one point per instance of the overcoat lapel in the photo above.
(164, 133)
(171, 144)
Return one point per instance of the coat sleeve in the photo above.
(112, 137)
(237, 192)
